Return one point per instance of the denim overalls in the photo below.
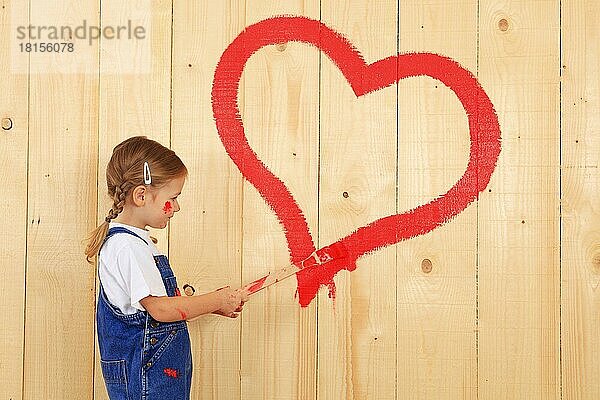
(141, 358)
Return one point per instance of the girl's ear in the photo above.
(139, 194)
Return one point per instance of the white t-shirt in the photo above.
(127, 269)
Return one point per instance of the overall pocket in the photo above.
(115, 379)
(170, 376)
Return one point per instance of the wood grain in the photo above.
(61, 209)
(358, 163)
(580, 245)
(280, 114)
(436, 306)
(519, 297)
(14, 136)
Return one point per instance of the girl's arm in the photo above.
(225, 301)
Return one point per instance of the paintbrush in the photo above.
(317, 258)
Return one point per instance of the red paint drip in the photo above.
(484, 132)
(167, 208)
(173, 373)
(177, 292)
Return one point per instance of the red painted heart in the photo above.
(484, 132)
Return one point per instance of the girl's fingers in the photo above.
(245, 294)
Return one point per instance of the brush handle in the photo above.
(318, 257)
(271, 278)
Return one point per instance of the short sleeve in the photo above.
(140, 275)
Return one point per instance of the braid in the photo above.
(118, 200)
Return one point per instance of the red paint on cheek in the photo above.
(167, 208)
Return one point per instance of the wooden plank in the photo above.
(14, 106)
(134, 99)
(580, 142)
(519, 299)
(206, 234)
(437, 273)
(358, 164)
(62, 193)
(280, 114)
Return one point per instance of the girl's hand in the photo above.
(232, 301)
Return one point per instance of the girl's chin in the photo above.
(161, 225)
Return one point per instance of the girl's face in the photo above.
(163, 205)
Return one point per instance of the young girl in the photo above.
(141, 316)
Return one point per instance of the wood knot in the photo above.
(596, 263)
(189, 290)
(426, 265)
(281, 46)
(503, 25)
(7, 124)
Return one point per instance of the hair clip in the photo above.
(147, 176)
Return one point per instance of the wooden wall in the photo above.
(499, 303)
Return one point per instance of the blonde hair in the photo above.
(125, 171)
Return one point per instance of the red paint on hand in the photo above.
(168, 207)
(173, 373)
(364, 78)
